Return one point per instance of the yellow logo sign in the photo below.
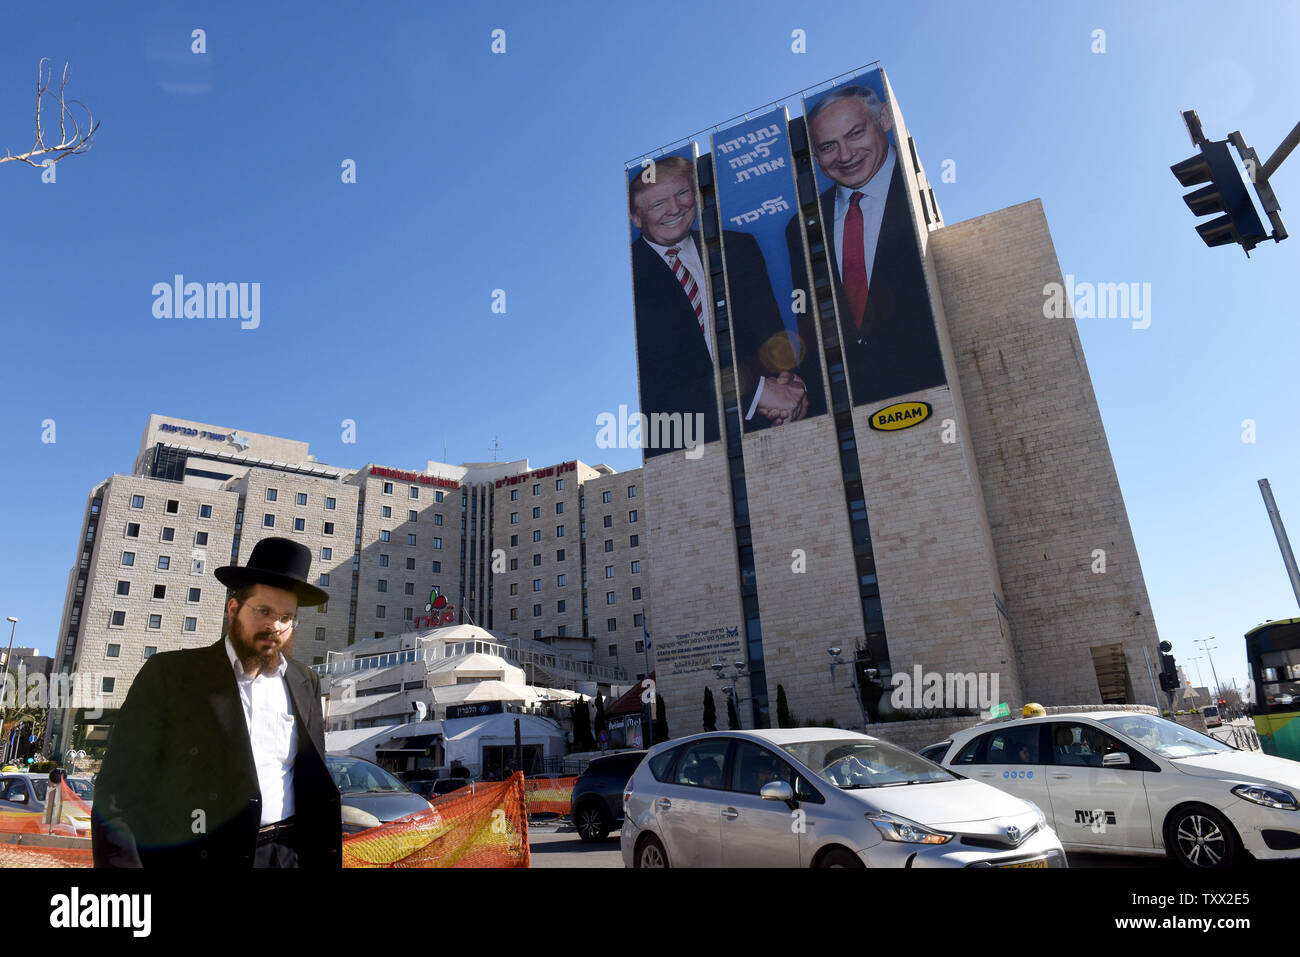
(900, 415)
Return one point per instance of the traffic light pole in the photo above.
(1279, 531)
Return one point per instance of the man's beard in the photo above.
(249, 653)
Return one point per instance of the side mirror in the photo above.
(777, 791)
(1116, 759)
(19, 799)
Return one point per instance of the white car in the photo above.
(1122, 781)
(818, 797)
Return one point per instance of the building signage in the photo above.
(413, 477)
(455, 711)
(539, 473)
(437, 611)
(900, 415)
(198, 433)
(697, 650)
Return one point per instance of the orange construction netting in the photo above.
(549, 795)
(488, 828)
(20, 855)
(74, 817)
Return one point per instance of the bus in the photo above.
(1273, 654)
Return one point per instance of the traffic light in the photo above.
(1226, 194)
(1168, 669)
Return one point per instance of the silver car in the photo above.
(818, 797)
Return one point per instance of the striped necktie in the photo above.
(689, 285)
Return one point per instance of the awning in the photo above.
(419, 744)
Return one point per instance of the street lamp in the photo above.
(738, 671)
(1207, 648)
(4, 708)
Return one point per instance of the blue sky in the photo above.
(479, 171)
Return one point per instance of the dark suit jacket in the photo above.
(180, 745)
(675, 369)
(898, 350)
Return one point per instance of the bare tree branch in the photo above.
(80, 141)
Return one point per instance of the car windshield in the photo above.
(353, 776)
(854, 763)
(1165, 738)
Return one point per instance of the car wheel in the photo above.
(838, 857)
(592, 824)
(651, 853)
(1200, 837)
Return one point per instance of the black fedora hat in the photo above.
(277, 562)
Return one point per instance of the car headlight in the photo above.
(894, 828)
(1268, 797)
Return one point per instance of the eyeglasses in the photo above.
(284, 621)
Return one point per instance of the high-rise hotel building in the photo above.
(547, 553)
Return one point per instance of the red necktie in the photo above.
(689, 285)
(855, 262)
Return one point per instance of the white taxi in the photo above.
(1127, 782)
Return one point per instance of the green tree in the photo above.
(582, 740)
(784, 719)
(733, 719)
(710, 712)
(661, 719)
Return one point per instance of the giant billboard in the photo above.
(777, 357)
(675, 343)
(885, 320)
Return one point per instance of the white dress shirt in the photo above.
(874, 194)
(272, 732)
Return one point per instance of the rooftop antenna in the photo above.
(496, 447)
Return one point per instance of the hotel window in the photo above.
(514, 588)
(514, 614)
(537, 512)
(168, 534)
(609, 571)
(412, 515)
(437, 543)
(383, 561)
(514, 564)
(612, 625)
(639, 620)
(610, 598)
(636, 593)
(409, 588)
(268, 520)
(112, 651)
(559, 531)
(537, 535)
(609, 521)
(382, 584)
(388, 488)
(537, 611)
(634, 541)
(537, 584)
(128, 558)
(159, 592)
(383, 535)
(324, 578)
(559, 631)
(410, 564)
(537, 489)
(205, 511)
(164, 562)
(636, 568)
(537, 633)
(631, 491)
(385, 511)
(559, 554)
(514, 495)
(137, 501)
(559, 508)
(330, 503)
(124, 588)
(271, 494)
(537, 558)
(191, 624)
(329, 528)
(381, 611)
(559, 485)
(605, 497)
(155, 622)
(320, 633)
(326, 554)
(613, 648)
(132, 529)
(107, 687)
(436, 568)
(415, 491)
(118, 620)
(631, 516)
(150, 650)
(609, 544)
(437, 519)
(437, 496)
(410, 538)
(514, 518)
(300, 524)
(408, 614)
(559, 607)
(173, 507)
(323, 608)
(194, 595)
(560, 579)
(200, 538)
(514, 541)
(301, 498)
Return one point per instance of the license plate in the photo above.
(1041, 862)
